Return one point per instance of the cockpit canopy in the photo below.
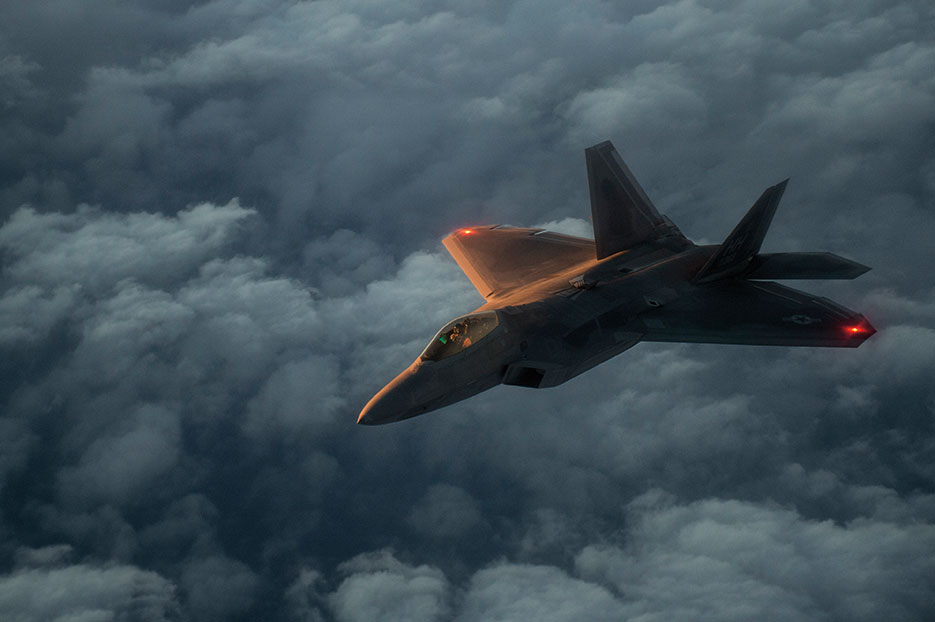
(460, 334)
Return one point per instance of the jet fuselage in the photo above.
(565, 331)
(558, 305)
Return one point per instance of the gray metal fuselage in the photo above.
(550, 331)
(558, 305)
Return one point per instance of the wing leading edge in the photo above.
(499, 258)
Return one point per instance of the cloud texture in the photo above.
(220, 226)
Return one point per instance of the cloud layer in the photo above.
(219, 237)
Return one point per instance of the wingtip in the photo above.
(469, 231)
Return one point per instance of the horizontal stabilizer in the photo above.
(804, 266)
(499, 258)
(622, 213)
(744, 241)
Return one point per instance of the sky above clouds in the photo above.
(219, 236)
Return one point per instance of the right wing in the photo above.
(753, 313)
(500, 258)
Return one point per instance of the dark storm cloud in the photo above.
(46, 587)
(379, 586)
(157, 369)
(523, 592)
(444, 512)
(219, 238)
(355, 99)
(719, 559)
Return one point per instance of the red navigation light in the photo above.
(467, 231)
(855, 329)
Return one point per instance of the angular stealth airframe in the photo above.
(558, 305)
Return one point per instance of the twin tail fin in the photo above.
(739, 256)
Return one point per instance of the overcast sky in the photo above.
(220, 236)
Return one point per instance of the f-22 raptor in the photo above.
(557, 305)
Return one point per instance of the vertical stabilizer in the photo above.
(743, 243)
(622, 213)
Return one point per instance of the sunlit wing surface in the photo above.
(497, 259)
(754, 313)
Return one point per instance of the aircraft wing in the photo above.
(500, 258)
(754, 313)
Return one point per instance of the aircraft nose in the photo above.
(393, 402)
(380, 409)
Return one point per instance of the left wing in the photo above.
(500, 258)
(754, 313)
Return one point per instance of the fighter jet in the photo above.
(557, 305)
